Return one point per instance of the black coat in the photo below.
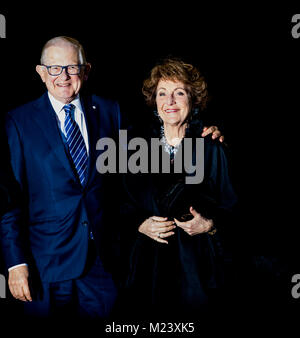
(182, 276)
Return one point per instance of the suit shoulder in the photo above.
(25, 109)
(103, 101)
(107, 110)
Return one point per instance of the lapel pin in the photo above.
(94, 107)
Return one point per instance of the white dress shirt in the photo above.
(78, 117)
(60, 115)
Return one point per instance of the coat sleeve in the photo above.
(13, 221)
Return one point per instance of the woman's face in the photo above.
(172, 102)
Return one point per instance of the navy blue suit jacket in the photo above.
(56, 213)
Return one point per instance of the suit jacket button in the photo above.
(85, 223)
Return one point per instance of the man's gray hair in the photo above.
(63, 41)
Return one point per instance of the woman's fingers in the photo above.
(159, 237)
(194, 212)
(186, 226)
(160, 240)
(180, 224)
(164, 224)
(166, 234)
(160, 226)
(196, 226)
(165, 229)
(158, 218)
(163, 232)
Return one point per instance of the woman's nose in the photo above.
(171, 99)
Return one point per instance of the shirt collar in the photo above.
(58, 106)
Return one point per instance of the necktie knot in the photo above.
(68, 108)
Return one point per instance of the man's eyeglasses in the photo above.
(56, 70)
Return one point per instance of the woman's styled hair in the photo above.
(177, 70)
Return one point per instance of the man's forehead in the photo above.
(61, 52)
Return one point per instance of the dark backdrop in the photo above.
(251, 63)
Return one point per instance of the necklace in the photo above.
(172, 150)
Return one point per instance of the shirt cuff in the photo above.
(15, 266)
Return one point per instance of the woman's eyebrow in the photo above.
(173, 90)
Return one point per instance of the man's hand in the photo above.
(214, 131)
(18, 283)
(197, 225)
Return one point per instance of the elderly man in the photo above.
(55, 245)
(58, 242)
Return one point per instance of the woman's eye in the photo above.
(180, 93)
(161, 94)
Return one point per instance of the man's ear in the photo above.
(87, 69)
(41, 71)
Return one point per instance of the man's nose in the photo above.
(64, 74)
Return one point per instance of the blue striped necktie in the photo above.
(75, 143)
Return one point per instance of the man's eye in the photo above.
(55, 68)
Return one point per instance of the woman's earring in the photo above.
(195, 112)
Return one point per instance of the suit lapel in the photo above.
(98, 126)
(94, 130)
(45, 118)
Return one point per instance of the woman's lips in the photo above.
(168, 111)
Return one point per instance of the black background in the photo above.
(251, 63)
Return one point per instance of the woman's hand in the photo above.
(157, 228)
(197, 225)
